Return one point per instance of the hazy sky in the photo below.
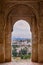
(21, 29)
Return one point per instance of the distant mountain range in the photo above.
(14, 38)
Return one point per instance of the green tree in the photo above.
(23, 51)
(14, 53)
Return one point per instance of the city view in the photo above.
(21, 42)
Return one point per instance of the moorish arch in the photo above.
(24, 12)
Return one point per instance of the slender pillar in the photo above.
(8, 42)
(2, 46)
(40, 45)
(34, 41)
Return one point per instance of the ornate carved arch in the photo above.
(17, 12)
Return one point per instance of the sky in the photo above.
(21, 29)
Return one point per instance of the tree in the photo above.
(23, 51)
(14, 53)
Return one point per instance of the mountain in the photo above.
(14, 38)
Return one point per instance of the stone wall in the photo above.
(2, 40)
(40, 45)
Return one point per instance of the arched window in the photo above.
(21, 39)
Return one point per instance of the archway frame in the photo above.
(10, 20)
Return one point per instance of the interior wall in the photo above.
(40, 44)
(2, 40)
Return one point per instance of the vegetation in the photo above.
(22, 53)
(14, 53)
(26, 56)
(14, 46)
